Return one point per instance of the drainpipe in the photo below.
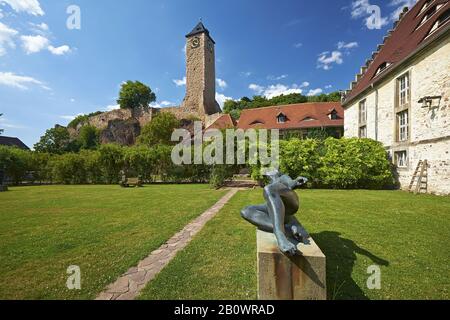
(376, 113)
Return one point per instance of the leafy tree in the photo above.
(55, 141)
(1, 130)
(111, 161)
(135, 95)
(159, 130)
(89, 137)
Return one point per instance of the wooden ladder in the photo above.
(420, 177)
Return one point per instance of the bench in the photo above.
(131, 182)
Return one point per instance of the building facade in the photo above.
(401, 97)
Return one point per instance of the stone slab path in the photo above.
(129, 285)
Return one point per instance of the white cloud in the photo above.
(29, 6)
(72, 100)
(221, 83)
(283, 76)
(350, 45)
(328, 86)
(315, 92)
(161, 104)
(70, 118)
(298, 45)
(275, 90)
(257, 88)
(327, 59)
(180, 82)
(34, 44)
(220, 98)
(112, 107)
(246, 74)
(21, 82)
(6, 38)
(304, 84)
(9, 125)
(59, 50)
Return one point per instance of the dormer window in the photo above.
(309, 119)
(382, 67)
(334, 115)
(256, 122)
(429, 14)
(281, 118)
(425, 6)
(441, 21)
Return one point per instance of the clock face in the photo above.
(195, 43)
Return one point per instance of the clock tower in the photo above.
(200, 96)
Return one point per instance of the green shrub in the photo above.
(69, 168)
(111, 161)
(16, 163)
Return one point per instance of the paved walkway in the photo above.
(129, 285)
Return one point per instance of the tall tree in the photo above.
(135, 95)
(55, 140)
(159, 130)
(88, 137)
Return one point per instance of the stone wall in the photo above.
(429, 127)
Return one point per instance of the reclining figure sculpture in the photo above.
(277, 214)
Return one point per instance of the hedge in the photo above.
(332, 163)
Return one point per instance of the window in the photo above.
(334, 115)
(441, 21)
(281, 118)
(425, 6)
(401, 159)
(402, 126)
(382, 67)
(403, 90)
(363, 132)
(362, 112)
(363, 119)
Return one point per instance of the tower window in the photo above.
(334, 115)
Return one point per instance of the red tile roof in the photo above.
(407, 37)
(299, 116)
(223, 122)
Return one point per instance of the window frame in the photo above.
(402, 126)
(398, 156)
(403, 106)
(362, 118)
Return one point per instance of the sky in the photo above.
(59, 59)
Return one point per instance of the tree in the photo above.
(55, 141)
(88, 138)
(135, 95)
(1, 130)
(159, 130)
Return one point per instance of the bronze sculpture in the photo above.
(277, 215)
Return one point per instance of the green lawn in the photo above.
(103, 229)
(407, 235)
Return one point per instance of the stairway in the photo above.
(419, 181)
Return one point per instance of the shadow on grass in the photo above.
(341, 258)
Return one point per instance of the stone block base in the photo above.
(280, 277)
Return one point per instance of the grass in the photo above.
(103, 229)
(406, 235)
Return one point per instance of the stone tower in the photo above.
(200, 96)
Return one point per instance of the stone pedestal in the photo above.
(280, 277)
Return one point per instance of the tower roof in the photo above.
(199, 28)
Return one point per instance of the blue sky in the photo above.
(49, 73)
